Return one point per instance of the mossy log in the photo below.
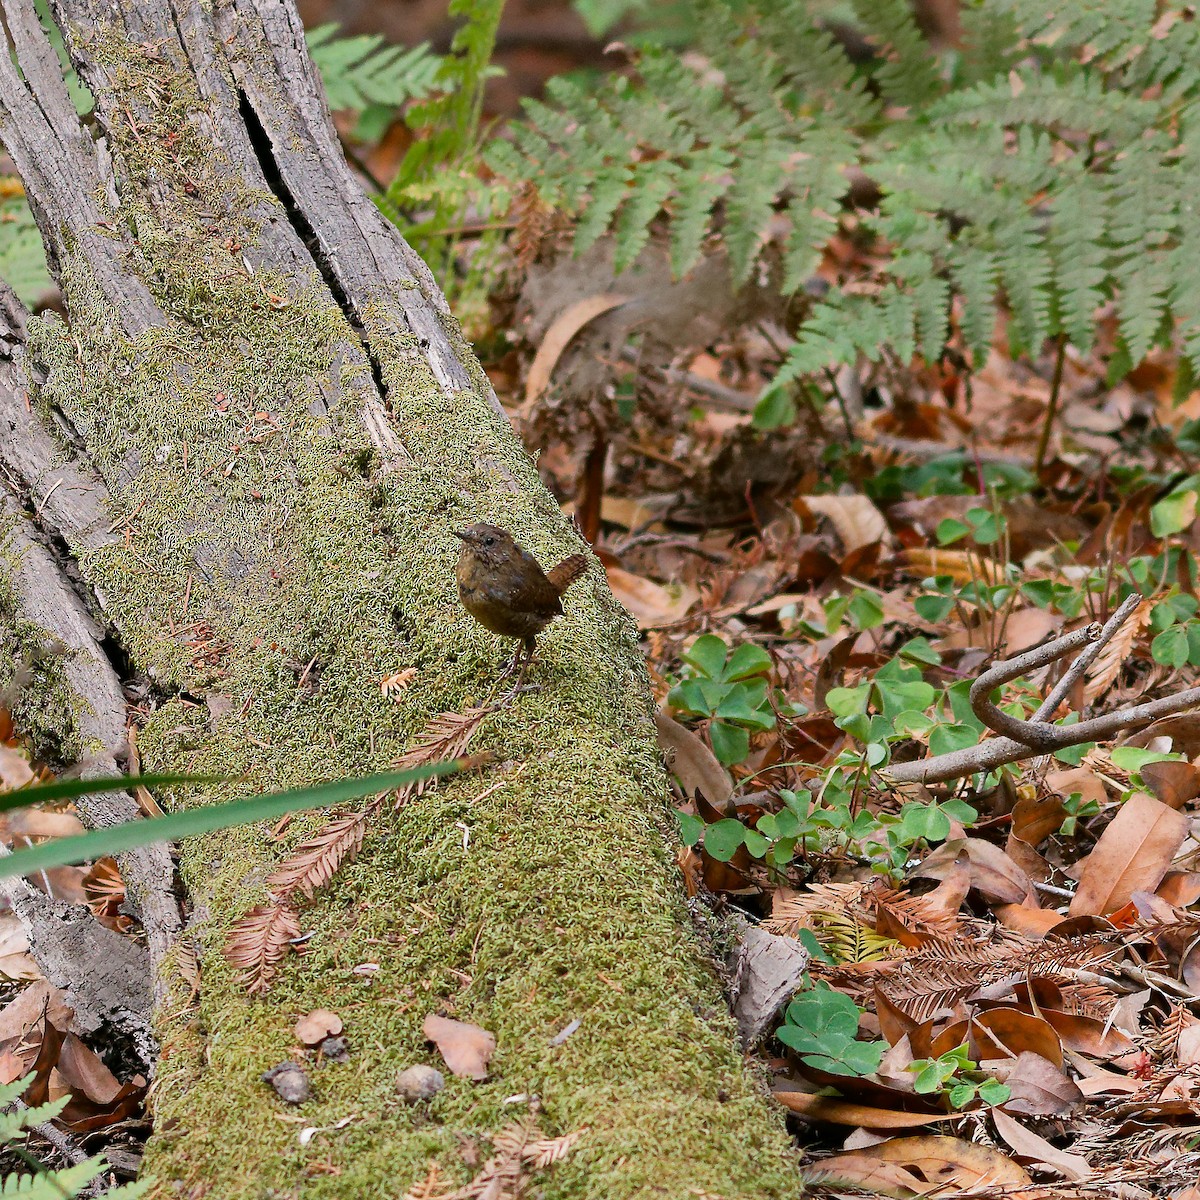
(266, 423)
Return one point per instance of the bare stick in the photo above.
(1030, 733)
(1075, 671)
(1036, 736)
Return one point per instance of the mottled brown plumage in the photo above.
(504, 587)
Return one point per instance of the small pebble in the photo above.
(420, 1083)
(335, 1049)
(289, 1081)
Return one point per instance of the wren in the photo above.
(505, 589)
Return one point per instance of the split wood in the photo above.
(1027, 739)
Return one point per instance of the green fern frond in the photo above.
(1044, 164)
(1108, 29)
(364, 70)
(652, 183)
(16, 1121)
(909, 74)
(1078, 103)
(1025, 271)
(975, 273)
(702, 181)
(610, 189)
(1079, 244)
(750, 203)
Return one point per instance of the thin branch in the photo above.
(1075, 671)
(1030, 733)
(1037, 737)
(1051, 408)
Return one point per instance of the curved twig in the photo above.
(1025, 739)
(1036, 733)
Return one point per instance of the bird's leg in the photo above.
(513, 664)
(528, 646)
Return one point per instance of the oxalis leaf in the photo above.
(195, 821)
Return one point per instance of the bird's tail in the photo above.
(567, 571)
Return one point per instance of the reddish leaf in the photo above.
(1040, 1089)
(466, 1048)
(1133, 854)
(1034, 1148)
(1174, 783)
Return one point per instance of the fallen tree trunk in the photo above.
(260, 388)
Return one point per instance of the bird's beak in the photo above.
(458, 533)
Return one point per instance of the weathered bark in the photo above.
(261, 390)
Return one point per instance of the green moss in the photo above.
(270, 561)
(33, 684)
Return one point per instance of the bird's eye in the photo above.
(489, 541)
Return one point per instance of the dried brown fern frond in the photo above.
(1107, 666)
(541, 1153)
(794, 912)
(1165, 1042)
(520, 1153)
(315, 862)
(898, 914)
(258, 942)
(944, 973)
(432, 1187)
(445, 736)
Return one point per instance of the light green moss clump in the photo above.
(271, 577)
(33, 685)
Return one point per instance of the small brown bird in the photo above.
(505, 589)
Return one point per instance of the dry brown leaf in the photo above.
(466, 1048)
(314, 862)
(1182, 728)
(844, 1112)
(1035, 818)
(1180, 888)
(865, 1175)
(1034, 1148)
(993, 874)
(1028, 627)
(963, 566)
(1083, 780)
(1086, 1035)
(1172, 782)
(28, 1007)
(855, 519)
(651, 604)
(1108, 663)
(42, 823)
(1031, 921)
(15, 771)
(258, 942)
(1008, 1033)
(1037, 1088)
(558, 336)
(694, 764)
(1133, 854)
(950, 1162)
(314, 1027)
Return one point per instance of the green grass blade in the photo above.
(71, 789)
(100, 842)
